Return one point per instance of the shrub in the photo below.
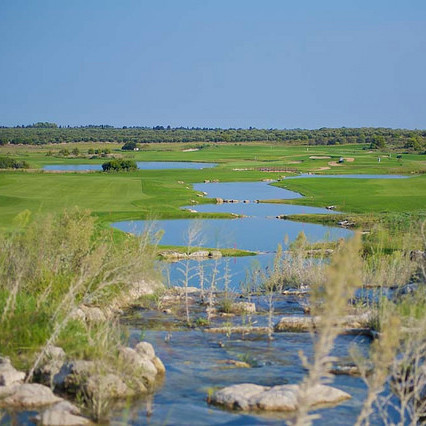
(119, 165)
(129, 146)
(11, 163)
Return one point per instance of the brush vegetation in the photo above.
(52, 266)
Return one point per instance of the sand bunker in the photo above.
(191, 150)
(294, 162)
(350, 159)
(335, 164)
(322, 168)
(315, 157)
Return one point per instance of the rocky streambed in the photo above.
(230, 371)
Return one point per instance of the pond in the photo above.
(260, 232)
(142, 165)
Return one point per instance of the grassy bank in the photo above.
(53, 266)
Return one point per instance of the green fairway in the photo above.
(362, 195)
(158, 193)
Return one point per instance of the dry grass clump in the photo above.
(52, 266)
(397, 357)
(330, 300)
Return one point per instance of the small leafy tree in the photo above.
(119, 165)
(129, 146)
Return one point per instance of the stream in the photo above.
(195, 360)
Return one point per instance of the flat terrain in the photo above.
(158, 193)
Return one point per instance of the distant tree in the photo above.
(44, 125)
(378, 142)
(413, 143)
(129, 146)
(75, 152)
(64, 152)
(91, 151)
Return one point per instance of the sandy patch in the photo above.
(323, 168)
(350, 159)
(294, 162)
(334, 164)
(191, 150)
(316, 157)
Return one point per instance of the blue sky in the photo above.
(214, 63)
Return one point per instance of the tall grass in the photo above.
(53, 265)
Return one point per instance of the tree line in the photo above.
(47, 133)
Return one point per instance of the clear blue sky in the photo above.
(214, 63)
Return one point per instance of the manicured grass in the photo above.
(362, 195)
(157, 193)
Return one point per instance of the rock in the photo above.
(242, 308)
(73, 375)
(215, 254)
(345, 370)
(199, 254)
(237, 396)
(331, 207)
(109, 386)
(235, 363)
(182, 290)
(8, 390)
(351, 323)
(30, 395)
(219, 200)
(78, 315)
(238, 330)
(417, 255)
(282, 216)
(141, 363)
(295, 324)
(161, 369)
(8, 374)
(49, 373)
(277, 398)
(302, 291)
(145, 348)
(55, 352)
(63, 413)
(93, 314)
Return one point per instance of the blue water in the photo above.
(245, 191)
(252, 233)
(143, 165)
(260, 232)
(72, 167)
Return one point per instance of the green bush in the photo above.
(129, 146)
(11, 163)
(119, 165)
